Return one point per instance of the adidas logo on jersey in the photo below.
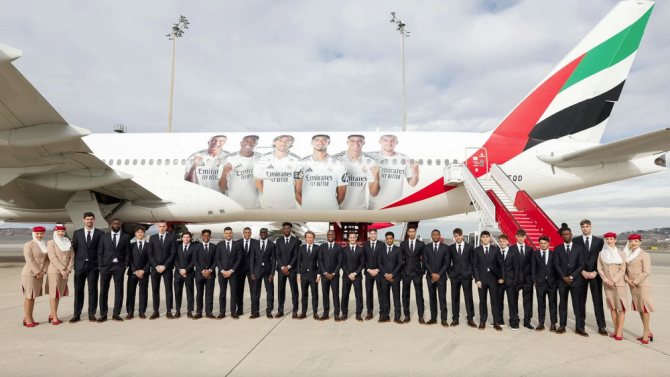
(239, 166)
(308, 170)
(270, 166)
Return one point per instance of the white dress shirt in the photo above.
(118, 235)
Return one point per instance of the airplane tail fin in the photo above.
(577, 96)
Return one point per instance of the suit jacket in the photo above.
(595, 247)
(269, 257)
(511, 266)
(36, 261)
(371, 254)
(353, 262)
(307, 264)
(330, 261)
(390, 263)
(493, 261)
(246, 254)
(205, 261)
(524, 263)
(436, 262)
(83, 251)
(228, 260)
(461, 265)
(186, 259)
(286, 255)
(162, 255)
(572, 266)
(255, 265)
(107, 252)
(544, 274)
(412, 264)
(139, 261)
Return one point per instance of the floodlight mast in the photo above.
(177, 32)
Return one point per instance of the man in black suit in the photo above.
(353, 262)
(85, 244)
(138, 273)
(330, 263)
(389, 260)
(593, 245)
(544, 280)
(228, 258)
(525, 283)
(268, 266)
(205, 271)
(412, 272)
(112, 253)
(511, 266)
(162, 251)
(308, 274)
(372, 276)
(184, 273)
(460, 274)
(436, 260)
(570, 262)
(254, 273)
(248, 247)
(287, 256)
(487, 263)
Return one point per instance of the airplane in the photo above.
(52, 171)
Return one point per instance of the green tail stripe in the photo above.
(610, 52)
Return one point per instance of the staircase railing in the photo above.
(506, 184)
(525, 203)
(506, 222)
(481, 201)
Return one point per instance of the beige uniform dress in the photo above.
(617, 296)
(59, 261)
(36, 262)
(637, 271)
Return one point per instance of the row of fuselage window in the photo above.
(168, 162)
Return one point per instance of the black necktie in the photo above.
(330, 247)
(185, 248)
(228, 247)
(459, 251)
(140, 248)
(206, 248)
(309, 249)
(411, 246)
(567, 250)
(114, 239)
(435, 248)
(586, 244)
(486, 251)
(521, 251)
(161, 240)
(88, 238)
(388, 251)
(544, 259)
(263, 246)
(246, 246)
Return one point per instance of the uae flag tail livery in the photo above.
(574, 100)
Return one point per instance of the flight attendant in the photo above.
(61, 263)
(612, 269)
(32, 276)
(638, 269)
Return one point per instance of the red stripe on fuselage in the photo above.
(511, 136)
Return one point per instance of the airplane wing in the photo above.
(645, 145)
(45, 152)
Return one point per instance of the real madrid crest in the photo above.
(364, 169)
(330, 168)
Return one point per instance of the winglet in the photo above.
(9, 54)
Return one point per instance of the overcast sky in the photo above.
(305, 65)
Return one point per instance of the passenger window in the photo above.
(127, 162)
(175, 162)
(421, 161)
(395, 161)
(159, 161)
(455, 161)
(135, 162)
(183, 161)
(167, 161)
(143, 161)
(111, 162)
(118, 162)
(446, 161)
(411, 161)
(151, 161)
(429, 162)
(437, 162)
(403, 161)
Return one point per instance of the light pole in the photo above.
(403, 33)
(177, 32)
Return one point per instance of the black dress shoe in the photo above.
(433, 321)
(117, 318)
(602, 331)
(444, 323)
(279, 314)
(421, 321)
(497, 327)
(254, 316)
(177, 314)
(154, 316)
(344, 317)
(197, 316)
(91, 318)
(337, 318)
(189, 314)
(208, 315)
(234, 316)
(455, 323)
(471, 323)
(240, 312)
(561, 330)
(581, 332)
(529, 326)
(359, 318)
(220, 316)
(482, 326)
(316, 317)
(102, 319)
(324, 317)
(269, 315)
(398, 321)
(540, 327)
(143, 316)
(169, 315)
(386, 319)
(130, 316)
(552, 328)
(369, 317)
(75, 319)
(295, 315)
(302, 316)
(406, 320)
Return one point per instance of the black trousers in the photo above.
(418, 291)
(575, 291)
(327, 286)
(512, 303)
(308, 282)
(80, 277)
(254, 293)
(239, 294)
(105, 282)
(370, 282)
(281, 282)
(456, 286)
(133, 282)
(527, 295)
(437, 292)
(596, 285)
(358, 292)
(156, 288)
(490, 286)
(269, 292)
(179, 282)
(387, 287)
(224, 283)
(205, 289)
(544, 291)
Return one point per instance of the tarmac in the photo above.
(279, 347)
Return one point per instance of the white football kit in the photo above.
(209, 169)
(359, 177)
(241, 186)
(392, 178)
(278, 180)
(320, 181)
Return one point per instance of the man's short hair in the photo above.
(246, 228)
(458, 232)
(435, 230)
(162, 222)
(520, 232)
(372, 230)
(228, 228)
(117, 219)
(389, 234)
(352, 234)
(281, 136)
(485, 233)
(563, 228)
(393, 136)
(206, 231)
(140, 227)
(411, 227)
(321, 135)
(251, 137)
(503, 237)
(187, 234)
(286, 224)
(215, 136)
(544, 238)
(350, 136)
(310, 232)
(88, 214)
(263, 230)
(585, 221)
